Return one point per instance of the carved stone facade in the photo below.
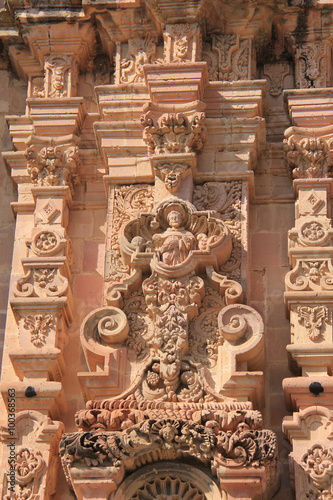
(154, 147)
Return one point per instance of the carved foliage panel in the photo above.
(313, 65)
(125, 203)
(226, 199)
(229, 58)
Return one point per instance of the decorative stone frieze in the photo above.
(313, 65)
(229, 58)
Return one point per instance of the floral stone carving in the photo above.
(312, 65)
(53, 165)
(126, 202)
(60, 77)
(42, 282)
(276, 74)
(174, 132)
(234, 57)
(308, 157)
(140, 51)
(39, 326)
(181, 43)
(313, 318)
(29, 465)
(165, 439)
(317, 463)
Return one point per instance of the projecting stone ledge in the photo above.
(227, 438)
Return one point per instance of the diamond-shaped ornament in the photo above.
(49, 211)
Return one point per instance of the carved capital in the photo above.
(53, 165)
(308, 157)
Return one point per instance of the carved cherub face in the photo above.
(174, 219)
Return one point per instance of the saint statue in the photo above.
(175, 243)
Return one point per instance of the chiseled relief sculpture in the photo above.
(180, 323)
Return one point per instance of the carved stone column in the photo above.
(45, 165)
(309, 294)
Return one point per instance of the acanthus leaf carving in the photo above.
(39, 326)
(174, 132)
(234, 57)
(276, 74)
(181, 43)
(308, 157)
(29, 465)
(313, 318)
(224, 198)
(53, 165)
(141, 50)
(312, 65)
(317, 463)
(311, 275)
(41, 282)
(126, 203)
(245, 447)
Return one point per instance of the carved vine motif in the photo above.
(38, 327)
(53, 166)
(127, 202)
(164, 438)
(170, 302)
(174, 133)
(181, 43)
(233, 58)
(312, 62)
(317, 462)
(140, 51)
(29, 464)
(41, 282)
(169, 488)
(276, 74)
(120, 414)
(313, 319)
(167, 438)
(246, 446)
(204, 334)
(141, 331)
(224, 198)
(308, 157)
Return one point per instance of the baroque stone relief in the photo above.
(60, 78)
(317, 463)
(229, 58)
(29, 465)
(225, 198)
(53, 165)
(125, 203)
(276, 74)
(182, 43)
(174, 132)
(308, 157)
(140, 51)
(313, 64)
